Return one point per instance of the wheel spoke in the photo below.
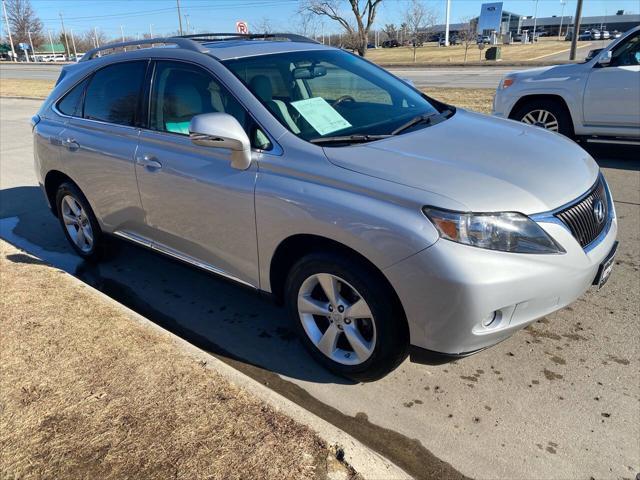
(330, 286)
(68, 219)
(359, 309)
(88, 235)
(80, 239)
(360, 345)
(306, 304)
(542, 116)
(327, 343)
(73, 205)
(528, 118)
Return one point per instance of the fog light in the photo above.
(489, 319)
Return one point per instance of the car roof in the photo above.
(232, 49)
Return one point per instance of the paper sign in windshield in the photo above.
(320, 115)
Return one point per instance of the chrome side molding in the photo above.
(145, 242)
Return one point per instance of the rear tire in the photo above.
(363, 313)
(79, 223)
(545, 113)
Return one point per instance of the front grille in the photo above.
(588, 217)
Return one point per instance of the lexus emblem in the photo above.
(598, 211)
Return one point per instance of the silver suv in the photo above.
(386, 221)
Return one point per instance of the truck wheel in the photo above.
(344, 315)
(545, 113)
(78, 222)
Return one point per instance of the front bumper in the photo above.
(448, 289)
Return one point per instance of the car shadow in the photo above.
(621, 157)
(234, 323)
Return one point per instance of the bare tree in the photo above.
(306, 24)
(419, 21)
(264, 26)
(391, 31)
(22, 20)
(364, 14)
(467, 35)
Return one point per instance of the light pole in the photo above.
(52, 50)
(6, 22)
(73, 42)
(563, 3)
(64, 34)
(33, 52)
(446, 28)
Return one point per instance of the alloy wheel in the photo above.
(337, 319)
(541, 118)
(77, 223)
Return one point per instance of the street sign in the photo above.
(242, 27)
(23, 46)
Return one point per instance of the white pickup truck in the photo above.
(597, 100)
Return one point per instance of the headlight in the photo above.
(506, 83)
(506, 231)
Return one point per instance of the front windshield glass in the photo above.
(326, 93)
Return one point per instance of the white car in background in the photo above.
(598, 99)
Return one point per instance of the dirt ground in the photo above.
(432, 53)
(85, 392)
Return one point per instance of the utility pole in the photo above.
(73, 42)
(64, 34)
(151, 29)
(122, 33)
(563, 3)
(33, 52)
(535, 22)
(576, 30)
(179, 16)
(6, 22)
(51, 43)
(446, 28)
(26, 52)
(186, 17)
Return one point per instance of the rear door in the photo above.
(612, 92)
(100, 142)
(198, 208)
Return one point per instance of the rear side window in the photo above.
(113, 93)
(71, 103)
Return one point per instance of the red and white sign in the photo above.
(242, 27)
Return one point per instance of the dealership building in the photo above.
(493, 18)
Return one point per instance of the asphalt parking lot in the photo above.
(558, 400)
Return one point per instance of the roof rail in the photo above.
(221, 37)
(180, 42)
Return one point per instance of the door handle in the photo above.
(149, 162)
(70, 144)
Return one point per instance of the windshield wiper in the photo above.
(357, 138)
(428, 119)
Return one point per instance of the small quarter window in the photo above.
(71, 103)
(113, 93)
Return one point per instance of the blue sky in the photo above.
(220, 15)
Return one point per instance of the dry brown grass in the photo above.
(431, 53)
(13, 87)
(86, 392)
(477, 99)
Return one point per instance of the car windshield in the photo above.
(324, 95)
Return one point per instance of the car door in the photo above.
(197, 206)
(612, 92)
(100, 140)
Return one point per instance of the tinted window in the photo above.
(182, 91)
(113, 93)
(627, 53)
(71, 103)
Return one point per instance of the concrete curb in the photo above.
(488, 63)
(365, 461)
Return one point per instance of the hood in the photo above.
(557, 72)
(486, 163)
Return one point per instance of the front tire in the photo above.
(545, 113)
(346, 316)
(78, 222)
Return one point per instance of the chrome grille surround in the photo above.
(589, 215)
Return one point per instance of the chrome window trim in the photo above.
(145, 242)
(550, 216)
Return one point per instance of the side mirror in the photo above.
(221, 130)
(605, 59)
